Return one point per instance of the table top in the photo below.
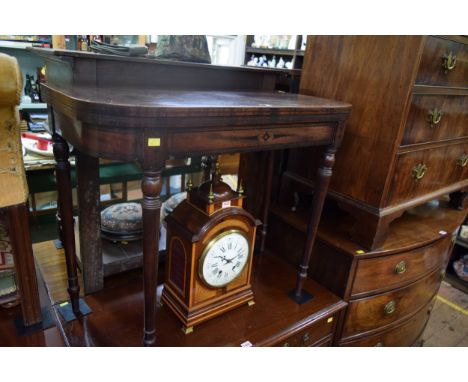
(177, 102)
(179, 108)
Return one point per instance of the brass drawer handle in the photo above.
(463, 160)
(434, 117)
(448, 62)
(390, 307)
(419, 171)
(379, 344)
(400, 268)
(286, 344)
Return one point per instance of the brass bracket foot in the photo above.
(187, 330)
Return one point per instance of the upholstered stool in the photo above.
(122, 222)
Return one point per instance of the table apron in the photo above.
(256, 139)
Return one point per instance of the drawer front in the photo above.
(424, 171)
(377, 311)
(387, 272)
(313, 335)
(405, 334)
(443, 63)
(250, 139)
(436, 118)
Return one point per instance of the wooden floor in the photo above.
(448, 325)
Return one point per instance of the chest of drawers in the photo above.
(406, 141)
(390, 290)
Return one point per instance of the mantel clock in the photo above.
(210, 246)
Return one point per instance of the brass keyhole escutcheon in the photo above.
(434, 116)
(463, 160)
(389, 307)
(448, 62)
(400, 268)
(305, 338)
(419, 171)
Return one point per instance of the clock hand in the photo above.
(231, 259)
(220, 257)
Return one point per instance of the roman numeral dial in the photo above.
(224, 258)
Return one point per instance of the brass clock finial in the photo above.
(189, 184)
(211, 195)
(218, 177)
(240, 189)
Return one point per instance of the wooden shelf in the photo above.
(461, 243)
(31, 106)
(15, 44)
(456, 282)
(284, 52)
(22, 44)
(13, 297)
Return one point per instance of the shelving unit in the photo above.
(290, 82)
(27, 61)
(460, 248)
(296, 55)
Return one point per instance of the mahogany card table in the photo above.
(147, 110)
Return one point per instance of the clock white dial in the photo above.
(224, 258)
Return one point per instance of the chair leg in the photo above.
(20, 236)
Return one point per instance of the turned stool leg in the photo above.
(323, 180)
(64, 189)
(151, 187)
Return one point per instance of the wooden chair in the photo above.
(14, 189)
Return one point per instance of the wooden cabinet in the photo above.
(388, 290)
(406, 139)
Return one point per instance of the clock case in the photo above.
(209, 211)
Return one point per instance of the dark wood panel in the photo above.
(104, 70)
(386, 272)
(89, 222)
(442, 169)
(373, 312)
(375, 74)
(405, 334)
(452, 123)
(431, 71)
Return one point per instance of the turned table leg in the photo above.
(151, 205)
(323, 180)
(65, 201)
(267, 200)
